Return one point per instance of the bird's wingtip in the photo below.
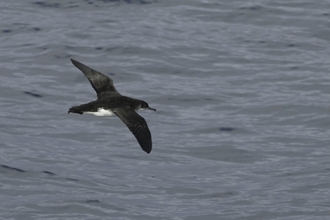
(147, 150)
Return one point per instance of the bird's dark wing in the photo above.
(137, 125)
(101, 83)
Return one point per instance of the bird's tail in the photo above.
(76, 109)
(80, 109)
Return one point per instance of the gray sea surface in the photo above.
(242, 92)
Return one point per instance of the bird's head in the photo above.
(145, 105)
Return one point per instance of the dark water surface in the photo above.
(242, 92)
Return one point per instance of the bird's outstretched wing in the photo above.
(101, 83)
(137, 125)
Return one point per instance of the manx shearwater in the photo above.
(110, 102)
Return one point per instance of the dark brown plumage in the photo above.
(110, 102)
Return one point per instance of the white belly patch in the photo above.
(101, 112)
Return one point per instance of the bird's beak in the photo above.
(151, 109)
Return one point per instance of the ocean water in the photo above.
(242, 92)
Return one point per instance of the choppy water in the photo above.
(242, 93)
